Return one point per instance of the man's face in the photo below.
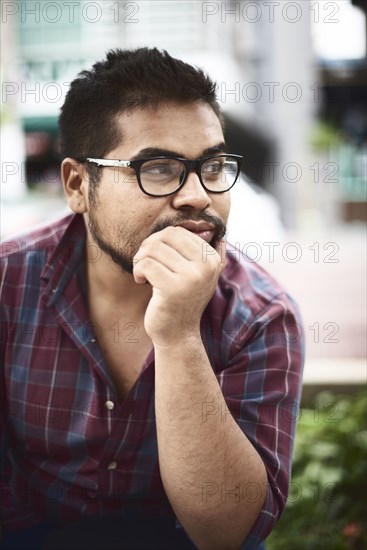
(120, 216)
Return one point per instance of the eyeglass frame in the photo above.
(190, 166)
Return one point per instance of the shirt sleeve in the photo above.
(261, 385)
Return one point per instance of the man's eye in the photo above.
(157, 169)
(213, 168)
(161, 171)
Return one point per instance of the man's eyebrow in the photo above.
(217, 149)
(157, 152)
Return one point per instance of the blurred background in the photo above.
(291, 79)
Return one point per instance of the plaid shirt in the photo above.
(70, 449)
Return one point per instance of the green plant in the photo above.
(326, 509)
(325, 135)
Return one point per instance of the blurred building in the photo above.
(343, 77)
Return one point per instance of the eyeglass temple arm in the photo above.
(109, 162)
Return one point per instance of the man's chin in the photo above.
(119, 259)
(124, 263)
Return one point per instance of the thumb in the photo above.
(221, 249)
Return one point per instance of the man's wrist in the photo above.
(182, 341)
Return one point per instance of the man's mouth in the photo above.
(202, 229)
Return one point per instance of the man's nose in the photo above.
(192, 194)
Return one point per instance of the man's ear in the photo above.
(75, 181)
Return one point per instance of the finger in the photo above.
(186, 243)
(152, 271)
(162, 252)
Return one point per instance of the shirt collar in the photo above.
(64, 258)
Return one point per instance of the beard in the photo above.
(125, 245)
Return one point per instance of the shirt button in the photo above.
(112, 465)
(110, 405)
(93, 340)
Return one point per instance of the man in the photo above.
(150, 384)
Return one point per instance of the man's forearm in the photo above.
(196, 452)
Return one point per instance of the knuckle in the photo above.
(146, 262)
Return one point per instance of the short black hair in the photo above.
(126, 79)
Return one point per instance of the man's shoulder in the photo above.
(249, 306)
(43, 238)
(249, 279)
(246, 291)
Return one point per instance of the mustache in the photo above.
(219, 225)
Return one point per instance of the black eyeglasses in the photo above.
(162, 176)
